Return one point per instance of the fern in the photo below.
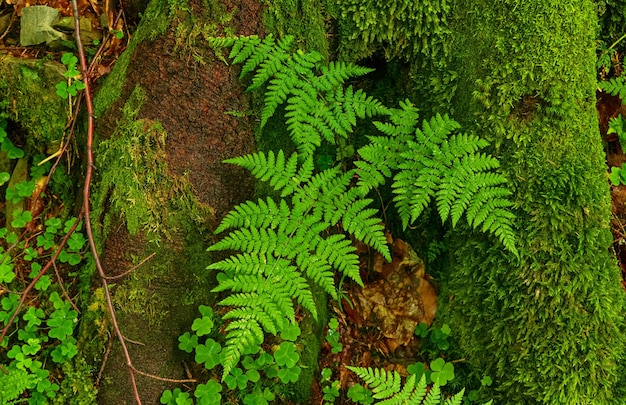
(14, 384)
(387, 387)
(319, 106)
(615, 86)
(433, 162)
(285, 245)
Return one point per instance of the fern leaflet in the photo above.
(318, 106)
(432, 162)
(387, 387)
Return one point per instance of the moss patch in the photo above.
(28, 89)
(547, 327)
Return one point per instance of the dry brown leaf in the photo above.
(399, 301)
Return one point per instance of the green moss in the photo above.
(304, 19)
(144, 295)
(76, 385)
(135, 179)
(28, 87)
(547, 327)
(402, 29)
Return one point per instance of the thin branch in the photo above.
(156, 377)
(39, 275)
(131, 269)
(65, 294)
(86, 204)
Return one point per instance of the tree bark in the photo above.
(163, 131)
(547, 326)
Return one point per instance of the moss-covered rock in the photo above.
(28, 94)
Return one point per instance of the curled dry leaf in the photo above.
(400, 300)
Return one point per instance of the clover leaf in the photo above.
(209, 393)
(20, 219)
(442, 372)
(286, 355)
(208, 353)
(291, 332)
(4, 177)
(203, 326)
(43, 283)
(187, 342)
(290, 374)
(236, 379)
(359, 394)
(6, 273)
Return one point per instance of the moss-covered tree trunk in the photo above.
(548, 326)
(162, 133)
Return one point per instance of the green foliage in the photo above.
(13, 152)
(403, 29)
(285, 244)
(319, 106)
(332, 336)
(41, 342)
(435, 163)
(615, 86)
(387, 386)
(545, 130)
(617, 126)
(257, 378)
(617, 175)
(70, 87)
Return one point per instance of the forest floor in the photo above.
(375, 325)
(611, 107)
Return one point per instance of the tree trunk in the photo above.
(548, 326)
(163, 131)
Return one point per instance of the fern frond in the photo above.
(270, 167)
(433, 396)
(318, 106)
(616, 86)
(242, 334)
(339, 252)
(448, 167)
(264, 214)
(457, 399)
(387, 386)
(261, 49)
(253, 306)
(365, 225)
(383, 383)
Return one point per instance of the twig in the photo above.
(102, 45)
(39, 275)
(104, 361)
(156, 377)
(131, 269)
(60, 281)
(13, 19)
(86, 205)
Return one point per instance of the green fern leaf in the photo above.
(259, 53)
(243, 48)
(433, 396)
(263, 214)
(263, 311)
(242, 335)
(615, 86)
(387, 386)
